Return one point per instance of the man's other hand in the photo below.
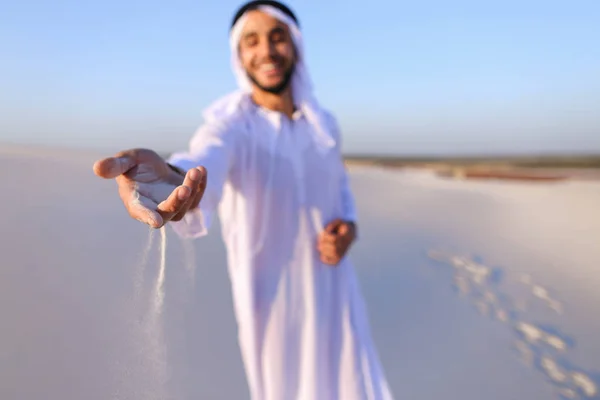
(335, 241)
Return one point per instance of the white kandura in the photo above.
(303, 328)
(276, 182)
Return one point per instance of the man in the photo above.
(268, 160)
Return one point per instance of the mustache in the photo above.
(270, 59)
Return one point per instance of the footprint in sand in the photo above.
(584, 383)
(536, 346)
(553, 370)
(534, 335)
(542, 293)
(472, 279)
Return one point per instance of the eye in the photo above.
(250, 40)
(278, 36)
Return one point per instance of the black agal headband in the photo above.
(253, 5)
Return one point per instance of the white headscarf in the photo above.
(302, 90)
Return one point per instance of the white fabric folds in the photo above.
(276, 182)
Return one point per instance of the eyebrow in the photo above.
(248, 34)
(277, 29)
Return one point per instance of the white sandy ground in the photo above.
(476, 290)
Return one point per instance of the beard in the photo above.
(276, 89)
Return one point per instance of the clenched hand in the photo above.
(335, 240)
(151, 191)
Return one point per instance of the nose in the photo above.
(267, 49)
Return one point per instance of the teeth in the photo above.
(268, 67)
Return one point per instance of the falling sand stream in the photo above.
(146, 376)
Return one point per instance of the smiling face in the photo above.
(267, 52)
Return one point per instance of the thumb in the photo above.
(333, 225)
(343, 229)
(112, 167)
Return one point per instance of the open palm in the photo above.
(151, 191)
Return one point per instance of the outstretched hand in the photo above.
(152, 191)
(335, 241)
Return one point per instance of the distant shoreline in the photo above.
(548, 160)
(525, 161)
(524, 168)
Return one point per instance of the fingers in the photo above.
(175, 202)
(337, 247)
(330, 252)
(143, 211)
(333, 225)
(193, 203)
(122, 162)
(140, 207)
(330, 232)
(343, 229)
(201, 187)
(112, 167)
(156, 201)
(328, 242)
(334, 242)
(194, 178)
(184, 197)
(328, 237)
(139, 204)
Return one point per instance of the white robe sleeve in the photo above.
(212, 147)
(347, 196)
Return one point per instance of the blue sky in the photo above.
(427, 77)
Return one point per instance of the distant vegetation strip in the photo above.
(568, 161)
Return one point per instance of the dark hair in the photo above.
(252, 5)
